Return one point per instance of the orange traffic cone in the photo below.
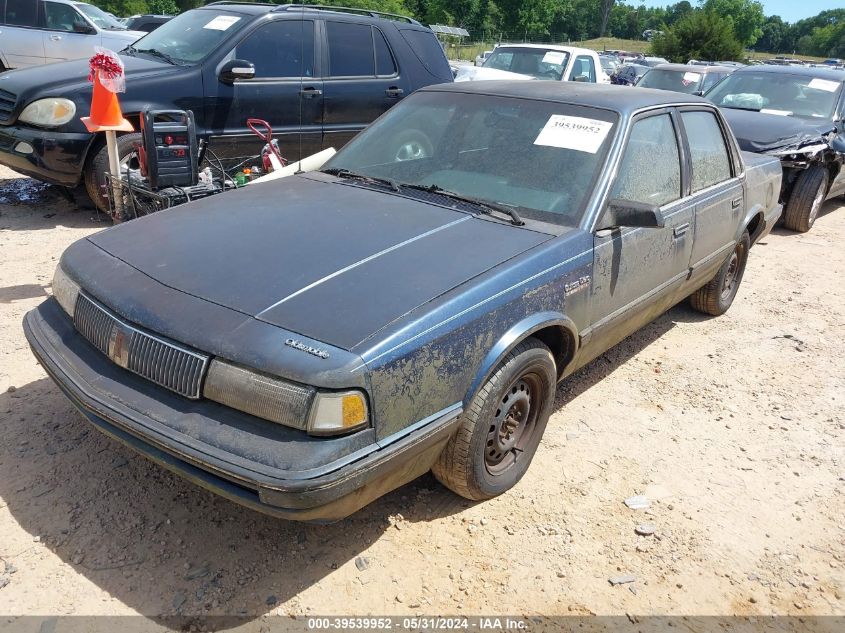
(105, 111)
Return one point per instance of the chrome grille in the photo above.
(163, 362)
(7, 105)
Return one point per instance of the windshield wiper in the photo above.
(156, 53)
(489, 207)
(130, 50)
(345, 173)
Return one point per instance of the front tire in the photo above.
(806, 199)
(502, 427)
(717, 296)
(98, 164)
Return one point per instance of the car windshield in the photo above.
(537, 157)
(536, 62)
(687, 81)
(99, 17)
(777, 93)
(190, 37)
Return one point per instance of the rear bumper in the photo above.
(136, 413)
(55, 157)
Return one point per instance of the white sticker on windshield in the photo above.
(573, 132)
(554, 57)
(691, 78)
(824, 84)
(777, 112)
(221, 22)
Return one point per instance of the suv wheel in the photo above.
(502, 426)
(717, 296)
(806, 199)
(98, 164)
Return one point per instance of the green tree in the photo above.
(745, 16)
(700, 35)
(775, 36)
(162, 7)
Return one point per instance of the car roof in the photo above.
(702, 70)
(255, 8)
(550, 47)
(820, 73)
(605, 96)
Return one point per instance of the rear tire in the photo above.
(717, 296)
(502, 427)
(806, 199)
(98, 164)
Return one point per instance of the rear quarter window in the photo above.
(428, 50)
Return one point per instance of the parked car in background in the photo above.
(146, 23)
(482, 57)
(629, 74)
(538, 61)
(684, 78)
(797, 115)
(651, 62)
(609, 64)
(35, 32)
(544, 223)
(317, 75)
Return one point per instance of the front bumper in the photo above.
(311, 479)
(56, 157)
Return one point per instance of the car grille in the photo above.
(7, 105)
(163, 362)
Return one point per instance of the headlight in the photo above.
(65, 290)
(284, 402)
(50, 112)
(335, 413)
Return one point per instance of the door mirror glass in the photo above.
(236, 69)
(80, 26)
(629, 213)
(838, 143)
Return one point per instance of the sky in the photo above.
(789, 10)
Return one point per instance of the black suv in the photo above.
(319, 75)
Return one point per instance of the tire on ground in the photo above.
(98, 164)
(718, 294)
(806, 199)
(466, 462)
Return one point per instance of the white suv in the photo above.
(36, 32)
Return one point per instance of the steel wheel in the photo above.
(512, 425)
(730, 280)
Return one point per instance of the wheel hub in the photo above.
(508, 426)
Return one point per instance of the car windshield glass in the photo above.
(100, 17)
(687, 81)
(536, 62)
(190, 37)
(538, 157)
(777, 93)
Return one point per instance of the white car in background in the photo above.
(34, 32)
(538, 61)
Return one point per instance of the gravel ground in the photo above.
(733, 428)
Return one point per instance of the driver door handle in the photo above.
(394, 91)
(310, 92)
(735, 203)
(55, 38)
(681, 229)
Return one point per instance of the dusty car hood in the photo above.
(333, 262)
(479, 73)
(767, 133)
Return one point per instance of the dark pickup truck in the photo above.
(318, 75)
(304, 346)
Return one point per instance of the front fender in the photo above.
(515, 335)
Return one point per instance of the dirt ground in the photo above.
(733, 428)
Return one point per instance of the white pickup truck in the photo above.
(538, 61)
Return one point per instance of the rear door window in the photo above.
(710, 160)
(22, 12)
(351, 52)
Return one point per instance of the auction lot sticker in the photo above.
(221, 22)
(573, 132)
(824, 84)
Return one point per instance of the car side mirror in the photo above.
(838, 143)
(628, 213)
(235, 69)
(83, 27)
